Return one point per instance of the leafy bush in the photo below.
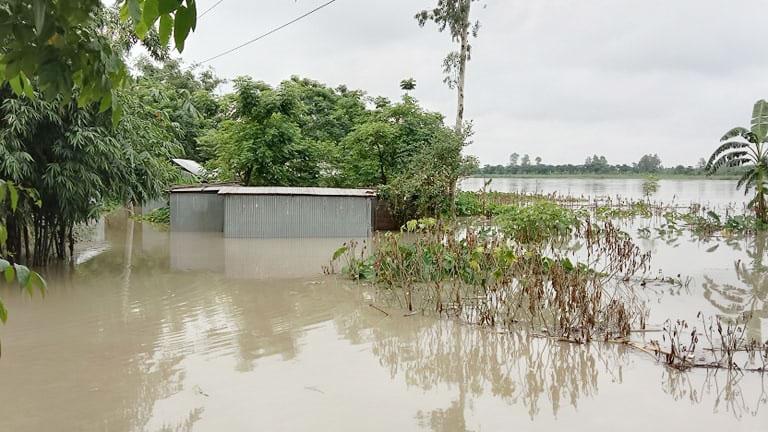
(468, 204)
(159, 216)
(537, 222)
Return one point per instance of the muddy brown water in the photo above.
(153, 331)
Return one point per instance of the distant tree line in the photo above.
(595, 164)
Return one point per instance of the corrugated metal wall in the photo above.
(197, 212)
(297, 216)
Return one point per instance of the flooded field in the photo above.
(157, 331)
(711, 192)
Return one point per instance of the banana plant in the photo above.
(748, 148)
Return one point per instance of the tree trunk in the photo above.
(463, 56)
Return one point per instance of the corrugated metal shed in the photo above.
(274, 212)
(309, 191)
(197, 209)
(292, 216)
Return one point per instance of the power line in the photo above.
(274, 30)
(202, 14)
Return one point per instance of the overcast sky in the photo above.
(559, 79)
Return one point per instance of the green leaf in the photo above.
(192, 6)
(3, 234)
(181, 27)
(134, 10)
(117, 112)
(38, 10)
(22, 275)
(3, 312)
(150, 13)
(339, 252)
(15, 83)
(9, 273)
(141, 29)
(27, 86)
(167, 6)
(106, 103)
(38, 282)
(166, 28)
(124, 12)
(14, 194)
(12, 69)
(760, 120)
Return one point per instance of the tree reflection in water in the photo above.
(542, 375)
(519, 369)
(751, 296)
(724, 387)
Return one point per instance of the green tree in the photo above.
(426, 186)
(596, 164)
(513, 158)
(76, 161)
(408, 84)
(525, 161)
(181, 98)
(746, 147)
(61, 48)
(288, 135)
(454, 15)
(381, 147)
(649, 163)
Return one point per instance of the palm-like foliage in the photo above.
(742, 147)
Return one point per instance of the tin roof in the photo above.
(190, 166)
(316, 191)
(211, 188)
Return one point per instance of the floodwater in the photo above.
(708, 192)
(155, 331)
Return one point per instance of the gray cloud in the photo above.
(556, 78)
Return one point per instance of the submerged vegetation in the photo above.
(556, 268)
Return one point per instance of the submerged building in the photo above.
(274, 212)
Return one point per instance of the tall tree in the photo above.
(408, 84)
(525, 161)
(513, 158)
(454, 15)
(649, 163)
